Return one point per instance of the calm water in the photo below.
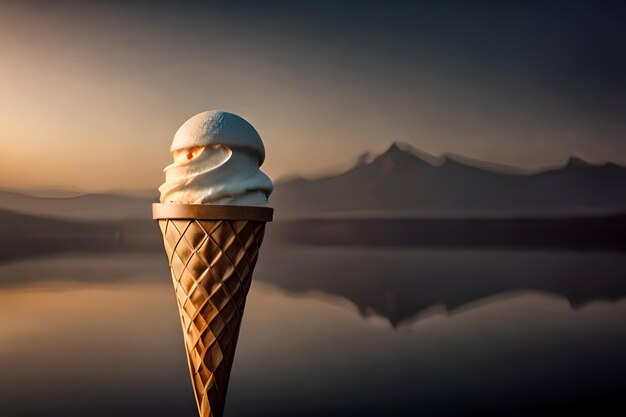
(327, 332)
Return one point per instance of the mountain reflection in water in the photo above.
(98, 335)
(399, 283)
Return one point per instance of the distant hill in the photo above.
(81, 207)
(401, 182)
(408, 182)
(24, 236)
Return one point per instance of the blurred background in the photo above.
(450, 214)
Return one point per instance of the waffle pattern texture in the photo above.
(211, 263)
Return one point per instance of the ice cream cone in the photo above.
(212, 251)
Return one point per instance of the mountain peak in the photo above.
(574, 161)
(396, 147)
(402, 151)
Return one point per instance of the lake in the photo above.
(326, 332)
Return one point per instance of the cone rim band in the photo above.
(211, 212)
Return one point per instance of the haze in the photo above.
(92, 94)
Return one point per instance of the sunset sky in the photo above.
(91, 94)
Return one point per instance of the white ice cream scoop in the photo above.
(217, 159)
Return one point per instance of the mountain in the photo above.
(403, 181)
(79, 207)
(408, 182)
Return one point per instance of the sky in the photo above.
(92, 93)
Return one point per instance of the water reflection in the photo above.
(77, 350)
(97, 334)
(523, 354)
(400, 284)
(91, 350)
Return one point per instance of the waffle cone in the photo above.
(211, 261)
